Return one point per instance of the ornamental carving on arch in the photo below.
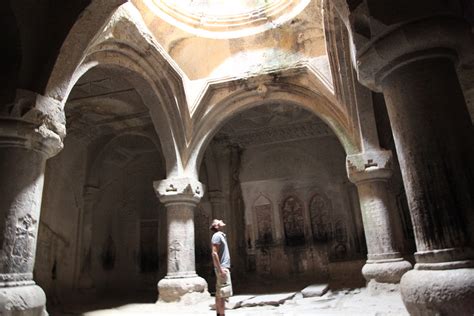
(293, 221)
(320, 208)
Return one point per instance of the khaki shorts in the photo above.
(223, 285)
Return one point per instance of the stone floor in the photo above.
(336, 302)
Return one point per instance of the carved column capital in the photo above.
(383, 42)
(40, 110)
(179, 190)
(369, 166)
(20, 133)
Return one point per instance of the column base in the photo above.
(188, 290)
(27, 300)
(385, 271)
(375, 288)
(438, 292)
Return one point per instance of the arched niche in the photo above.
(320, 209)
(263, 215)
(292, 213)
(127, 243)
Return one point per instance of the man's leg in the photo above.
(220, 306)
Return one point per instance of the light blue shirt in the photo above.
(219, 238)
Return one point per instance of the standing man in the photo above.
(221, 261)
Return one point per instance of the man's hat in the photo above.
(216, 222)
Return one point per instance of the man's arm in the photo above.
(216, 260)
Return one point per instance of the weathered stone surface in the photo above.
(23, 300)
(315, 290)
(115, 70)
(234, 301)
(271, 299)
(186, 290)
(449, 292)
(370, 172)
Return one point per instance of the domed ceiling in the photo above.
(224, 18)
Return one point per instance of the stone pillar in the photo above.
(413, 64)
(180, 197)
(218, 204)
(24, 149)
(370, 172)
(433, 135)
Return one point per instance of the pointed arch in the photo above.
(244, 99)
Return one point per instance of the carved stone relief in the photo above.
(25, 238)
(175, 248)
(340, 232)
(264, 262)
(264, 223)
(340, 237)
(263, 213)
(293, 221)
(319, 211)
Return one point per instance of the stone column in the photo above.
(24, 149)
(218, 204)
(180, 197)
(370, 172)
(433, 135)
(413, 64)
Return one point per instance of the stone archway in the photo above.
(280, 157)
(114, 235)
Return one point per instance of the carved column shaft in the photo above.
(181, 257)
(21, 189)
(370, 172)
(180, 197)
(433, 135)
(24, 148)
(375, 204)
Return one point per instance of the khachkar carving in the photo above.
(293, 221)
(263, 210)
(319, 210)
(264, 223)
(180, 197)
(264, 262)
(175, 248)
(25, 238)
